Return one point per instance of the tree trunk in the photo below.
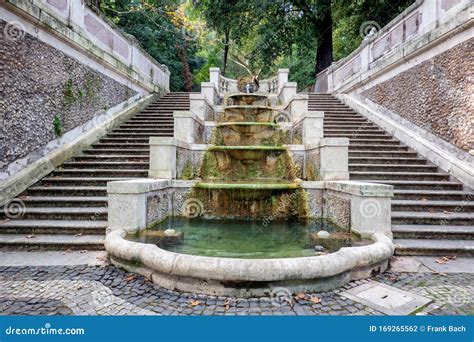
(226, 51)
(187, 76)
(324, 57)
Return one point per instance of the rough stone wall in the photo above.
(40, 83)
(437, 95)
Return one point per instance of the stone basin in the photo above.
(246, 99)
(242, 113)
(249, 133)
(248, 154)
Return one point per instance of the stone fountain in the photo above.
(238, 162)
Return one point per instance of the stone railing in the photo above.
(378, 49)
(271, 85)
(86, 32)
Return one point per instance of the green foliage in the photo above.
(57, 126)
(190, 36)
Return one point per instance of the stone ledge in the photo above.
(361, 188)
(137, 186)
(168, 141)
(186, 114)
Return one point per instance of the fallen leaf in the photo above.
(315, 300)
(300, 295)
(30, 236)
(78, 234)
(227, 302)
(195, 303)
(130, 277)
(446, 259)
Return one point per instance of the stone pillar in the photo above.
(187, 127)
(210, 92)
(127, 203)
(214, 75)
(163, 158)
(312, 127)
(298, 106)
(282, 78)
(287, 91)
(199, 105)
(334, 159)
(370, 206)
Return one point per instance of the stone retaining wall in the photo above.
(41, 83)
(435, 95)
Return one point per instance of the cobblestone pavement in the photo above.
(106, 290)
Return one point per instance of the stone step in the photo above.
(140, 135)
(419, 231)
(330, 121)
(53, 227)
(61, 213)
(122, 173)
(434, 247)
(139, 152)
(427, 218)
(418, 185)
(360, 135)
(365, 141)
(382, 154)
(385, 160)
(67, 191)
(129, 142)
(447, 207)
(443, 195)
(77, 181)
(116, 165)
(381, 175)
(396, 168)
(141, 126)
(376, 147)
(51, 242)
(126, 146)
(362, 130)
(64, 201)
(113, 157)
(351, 127)
(144, 131)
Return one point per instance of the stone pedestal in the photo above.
(163, 152)
(127, 202)
(287, 91)
(334, 159)
(312, 127)
(188, 127)
(370, 207)
(210, 91)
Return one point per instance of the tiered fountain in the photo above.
(248, 171)
(248, 218)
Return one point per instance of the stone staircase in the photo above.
(432, 213)
(68, 208)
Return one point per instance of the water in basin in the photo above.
(248, 239)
